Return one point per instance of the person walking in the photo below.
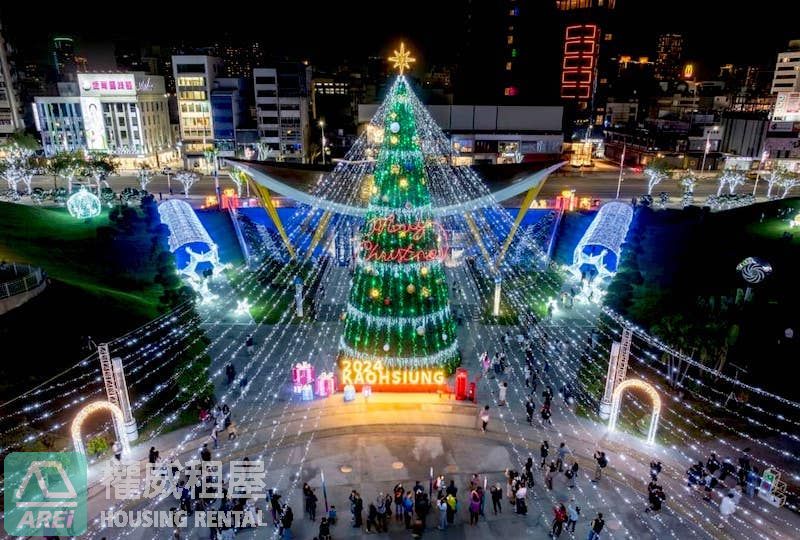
(152, 456)
(399, 491)
(372, 519)
(527, 373)
(230, 373)
(408, 508)
(249, 344)
(311, 505)
(452, 505)
(501, 397)
(442, 505)
(602, 462)
(287, 517)
(573, 513)
(559, 518)
(561, 453)
(497, 496)
(474, 507)
(205, 453)
(549, 474)
(572, 475)
(215, 437)
(484, 418)
(596, 527)
(544, 450)
(727, 506)
(520, 497)
(116, 448)
(530, 408)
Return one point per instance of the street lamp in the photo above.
(707, 147)
(321, 124)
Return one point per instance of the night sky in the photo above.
(717, 31)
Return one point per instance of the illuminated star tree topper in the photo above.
(402, 59)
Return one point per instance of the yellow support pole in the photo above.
(321, 228)
(266, 200)
(477, 235)
(523, 209)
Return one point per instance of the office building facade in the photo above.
(194, 80)
(282, 109)
(11, 115)
(787, 70)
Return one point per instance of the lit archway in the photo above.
(637, 384)
(88, 410)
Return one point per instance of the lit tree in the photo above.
(688, 182)
(398, 312)
(239, 178)
(100, 166)
(145, 174)
(775, 177)
(735, 179)
(187, 179)
(788, 181)
(69, 166)
(656, 172)
(18, 163)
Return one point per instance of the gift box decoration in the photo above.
(326, 384)
(302, 373)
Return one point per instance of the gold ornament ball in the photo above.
(403, 183)
(395, 168)
(394, 139)
(411, 288)
(425, 292)
(374, 293)
(424, 271)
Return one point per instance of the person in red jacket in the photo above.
(559, 518)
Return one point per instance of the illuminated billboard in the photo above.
(106, 84)
(579, 61)
(93, 123)
(787, 107)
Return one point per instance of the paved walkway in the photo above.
(399, 438)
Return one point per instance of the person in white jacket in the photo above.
(727, 507)
(501, 398)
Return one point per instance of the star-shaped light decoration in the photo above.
(402, 59)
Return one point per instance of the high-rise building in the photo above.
(230, 111)
(787, 69)
(588, 61)
(669, 57)
(11, 116)
(64, 58)
(239, 59)
(282, 100)
(194, 81)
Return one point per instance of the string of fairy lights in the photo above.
(452, 184)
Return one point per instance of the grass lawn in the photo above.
(83, 298)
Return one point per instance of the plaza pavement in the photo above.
(299, 440)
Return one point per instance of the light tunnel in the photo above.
(601, 245)
(189, 240)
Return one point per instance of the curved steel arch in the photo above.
(278, 186)
(651, 393)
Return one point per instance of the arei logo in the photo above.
(45, 494)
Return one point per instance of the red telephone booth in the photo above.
(461, 383)
(472, 391)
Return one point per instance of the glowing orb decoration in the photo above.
(754, 270)
(420, 330)
(374, 293)
(394, 127)
(386, 347)
(403, 183)
(411, 288)
(795, 221)
(84, 205)
(424, 271)
(393, 139)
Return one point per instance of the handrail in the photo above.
(23, 284)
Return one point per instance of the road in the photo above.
(601, 184)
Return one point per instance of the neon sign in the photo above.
(375, 374)
(412, 231)
(387, 224)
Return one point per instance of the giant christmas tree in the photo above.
(399, 330)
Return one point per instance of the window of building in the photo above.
(265, 80)
(509, 39)
(513, 53)
(190, 68)
(119, 107)
(508, 66)
(191, 81)
(266, 93)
